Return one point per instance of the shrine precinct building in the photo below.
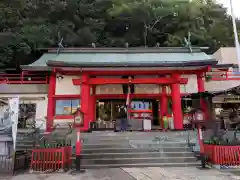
(96, 80)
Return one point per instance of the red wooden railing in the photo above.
(37, 77)
(51, 159)
(25, 77)
(223, 155)
(222, 75)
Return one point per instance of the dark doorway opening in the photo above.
(107, 111)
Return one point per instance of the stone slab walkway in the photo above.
(188, 173)
(157, 173)
(93, 174)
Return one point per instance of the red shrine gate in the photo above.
(88, 81)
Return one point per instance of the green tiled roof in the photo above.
(42, 61)
(124, 58)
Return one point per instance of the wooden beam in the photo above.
(100, 81)
(132, 96)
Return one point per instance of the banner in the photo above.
(128, 102)
(14, 110)
(128, 97)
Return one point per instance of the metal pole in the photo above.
(78, 148)
(201, 144)
(235, 35)
(78, 151)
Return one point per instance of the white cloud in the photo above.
(236, 6)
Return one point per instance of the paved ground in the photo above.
(189, 173)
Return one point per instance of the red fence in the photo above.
(223, 75)
(51, 159)
(41, 77)
(24, 77)
(223, 155)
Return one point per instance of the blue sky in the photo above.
(236, 6)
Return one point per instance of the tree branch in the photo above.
(157, 21)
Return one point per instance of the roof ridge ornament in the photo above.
(188, 43)
(60, 44)
(93, 45)
(126, 45)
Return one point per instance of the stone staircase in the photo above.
(27, 139)
(126, 149)
(136, 149)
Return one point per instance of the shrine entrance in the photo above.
(106, 122)
(107, 112)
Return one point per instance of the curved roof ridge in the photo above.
(125, 50)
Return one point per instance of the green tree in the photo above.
(27, 25)
(168, 22)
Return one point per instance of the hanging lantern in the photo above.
(198, 116)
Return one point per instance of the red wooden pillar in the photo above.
(51, 102)
(163, 105)
(176, 104)
(200, 83)
(201, 88)
(85, 98)
(92, 105)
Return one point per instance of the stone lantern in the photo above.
(198, 119)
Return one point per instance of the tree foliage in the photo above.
(27, 25)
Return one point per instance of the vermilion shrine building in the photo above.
(89, 77)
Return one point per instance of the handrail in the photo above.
(188, 140)
(24, 78)
(223, 75)
(54, 128)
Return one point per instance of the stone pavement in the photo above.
(186, 173)
(93, 174)
(157, 173)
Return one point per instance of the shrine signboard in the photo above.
(232, 99)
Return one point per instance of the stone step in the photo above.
(153, 139)
(25, 142)
(58, 135)
(28, 138)
(23, 147)
(139, 160)
(127, 150)
(111, 145)
(26, 145)
(127, 144)
(99, 166)
(96, 140)
(27, 131)
(135, 155)
(111, 133)
(140, 137)
(133, 136)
